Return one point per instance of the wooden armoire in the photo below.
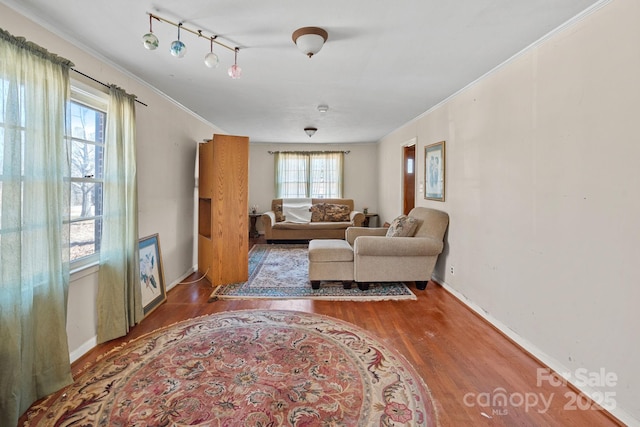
(223, 220)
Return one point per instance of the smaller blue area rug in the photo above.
(282, 272)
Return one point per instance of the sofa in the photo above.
(411, 253)
(407, 251)
(329, 220)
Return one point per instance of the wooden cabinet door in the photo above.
(226, 183)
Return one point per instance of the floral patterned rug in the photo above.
(246, 368)
(281, 271)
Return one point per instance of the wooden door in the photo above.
(409, 178)
(223, 242)
(230, 209)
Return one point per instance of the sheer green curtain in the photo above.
(34, 227)
(292, 174)
(119, 296)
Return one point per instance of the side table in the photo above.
(253, 218)
(367, 218)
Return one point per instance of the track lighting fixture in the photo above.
(179, 49)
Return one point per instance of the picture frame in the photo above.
(434, 171)
(151, 273)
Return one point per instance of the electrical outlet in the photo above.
(452, 270)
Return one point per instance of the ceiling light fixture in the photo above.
(234, 71)
(310, 131)
(179, 49)
(323, 108)
(149, 40)
(309, 39)
(211, 60)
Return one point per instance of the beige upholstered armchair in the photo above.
(378, 258)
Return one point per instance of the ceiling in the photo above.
(384, 63)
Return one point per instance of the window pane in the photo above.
(83, 199)
(10, 138)
(83, 156)
(86, 123)
(84, 235)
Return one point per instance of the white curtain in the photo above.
(325, 174)
(119, 298)
(34, 227)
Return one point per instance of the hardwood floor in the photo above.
(463, 359)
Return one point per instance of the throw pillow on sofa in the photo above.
(277, 210)
(402, 226)
(317, 212)
(336, 213)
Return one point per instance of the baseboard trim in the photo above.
(179, 280)
(617, 414)
(84, 348)
(93, 341)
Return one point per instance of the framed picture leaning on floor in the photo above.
(151, 274)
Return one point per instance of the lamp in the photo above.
(234, 71)
(178, 49)
(310, 131)
(310, 39)
(149, 40)
(211, 59)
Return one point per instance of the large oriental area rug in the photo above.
(246, 368)
(282, 272)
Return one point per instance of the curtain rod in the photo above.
(103, 84)
(330, 151)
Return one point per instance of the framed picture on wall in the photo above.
(434, 172)
(151, 273)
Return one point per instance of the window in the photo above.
(309, 174)
(85, 128)
(86, 119)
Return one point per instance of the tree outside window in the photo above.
(85, 128)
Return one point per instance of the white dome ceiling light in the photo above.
(309, 39)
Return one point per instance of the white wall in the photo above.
(360, 180)
(542, 191)
(166, 137)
